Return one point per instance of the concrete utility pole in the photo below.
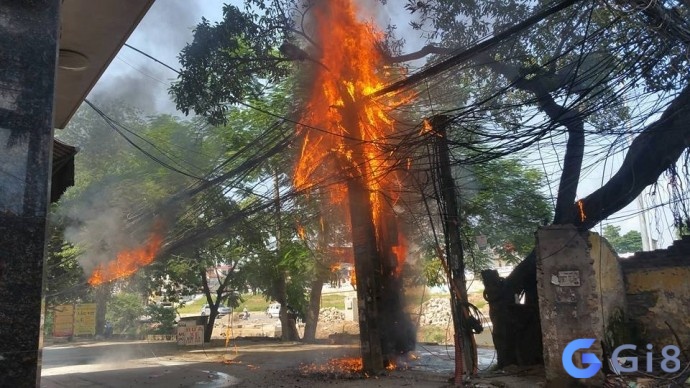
(465, 350)
(28, 60)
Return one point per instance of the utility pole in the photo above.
(28, 60)
(465, 348)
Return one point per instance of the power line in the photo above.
(115, 126)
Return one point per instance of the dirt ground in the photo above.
(266, 362)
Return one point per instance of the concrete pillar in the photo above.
(581, 295)
(28, 59)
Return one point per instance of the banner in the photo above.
(85, 319)
(63, 321)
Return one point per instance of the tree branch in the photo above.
(426, 50)
(465, 55)
(656, 149)
(567, 117)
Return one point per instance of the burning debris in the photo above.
(350, 368)
(339, 368)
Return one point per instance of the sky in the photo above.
(168, 26)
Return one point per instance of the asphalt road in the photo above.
(131, 364)
(263, 363)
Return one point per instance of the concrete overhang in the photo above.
(92, 33)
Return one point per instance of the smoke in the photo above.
(100, 219)
(99, 225)
(162, 33)
(392, 13)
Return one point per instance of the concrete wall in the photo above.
(586, 291)
(581, 294)
(610, 289)
(657, 287)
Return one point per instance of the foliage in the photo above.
(162, 318)
(124, 311)
(227, 62)
(48, 322)
(64, 279)
(627, 243)
(506, 205)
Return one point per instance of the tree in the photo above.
(531, 87)
(572, 80)
(124, 312)
(226, 63)
(627, 243)
(506, 206)
(128, 164)
(64, 282)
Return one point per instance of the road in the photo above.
(130, 364)
(252, 363)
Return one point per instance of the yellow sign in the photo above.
(85, 319)
(63, 321)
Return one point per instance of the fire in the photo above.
(400, 251)
(581, 207)
(347, 134)
(391, 366)
(301, 232)
(426, 127)
(349, 367)
(128, 262)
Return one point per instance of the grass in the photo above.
(251, 302)
(414, 297)
(193, 307)
(333, 300)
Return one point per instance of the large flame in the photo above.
(128, 262)
(333, 147)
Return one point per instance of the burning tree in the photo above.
(346, 147)
(502, 96)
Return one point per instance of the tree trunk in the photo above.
(102, 298)
(208, 330)
(658, 147)
(314, 305)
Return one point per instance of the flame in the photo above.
(391, 365)
(581, 207)
(426, 127)
(400, 252)
(339, 367)
(128, 262)
(301, 232)
(347, 134)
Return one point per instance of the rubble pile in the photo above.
(436, 312)
(331, 314)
